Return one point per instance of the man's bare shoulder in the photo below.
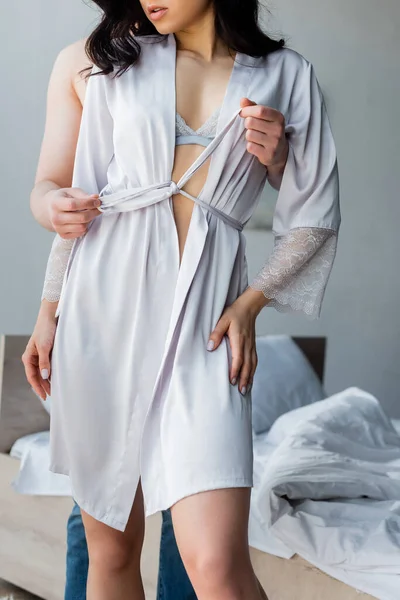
(73, 58)
(68, 67)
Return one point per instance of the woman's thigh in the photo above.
(111, 548)
(211, 530)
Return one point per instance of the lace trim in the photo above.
(56, 268)
(293, 279)
(208, 129)
(297, 272)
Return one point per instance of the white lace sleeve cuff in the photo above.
(296, 274)
(56, 268)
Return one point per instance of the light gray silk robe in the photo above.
(135, 393)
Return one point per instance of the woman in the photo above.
(154, 354)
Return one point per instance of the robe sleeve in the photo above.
(307, 213)
(94, 153)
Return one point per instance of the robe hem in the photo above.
(219, 484)
(107, 519)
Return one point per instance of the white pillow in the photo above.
(284, 380)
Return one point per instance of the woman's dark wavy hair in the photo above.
(112, 44)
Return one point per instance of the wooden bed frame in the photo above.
(314, 349)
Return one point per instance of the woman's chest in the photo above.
(201, 86)
(144, 103)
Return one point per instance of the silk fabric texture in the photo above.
(135, 393)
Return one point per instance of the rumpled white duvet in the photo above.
(327, 487)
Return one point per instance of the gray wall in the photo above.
(31, 35)
(355, 48)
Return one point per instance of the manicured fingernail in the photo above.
(210, 345)
(233, 381)
(44, 373)
(243, 390)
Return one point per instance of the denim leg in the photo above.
(173, 581)
(77, 557)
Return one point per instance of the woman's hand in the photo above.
(71, 211)
(36, 357)
(238, 323)
(266, 138)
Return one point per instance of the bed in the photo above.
(33, 528)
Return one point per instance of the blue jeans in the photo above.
(173, 582)
(77, 557)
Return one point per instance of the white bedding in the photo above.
(327, 487)
(34, 476)
(330, 490)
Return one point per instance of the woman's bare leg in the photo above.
(114, 556)
(211, 530)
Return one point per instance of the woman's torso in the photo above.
(200, 91)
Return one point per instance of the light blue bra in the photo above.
(202, 136)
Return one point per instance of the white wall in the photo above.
(355, 48)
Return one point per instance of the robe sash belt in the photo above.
(135, 198)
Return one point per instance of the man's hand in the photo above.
(71, 211)
(266, 138)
